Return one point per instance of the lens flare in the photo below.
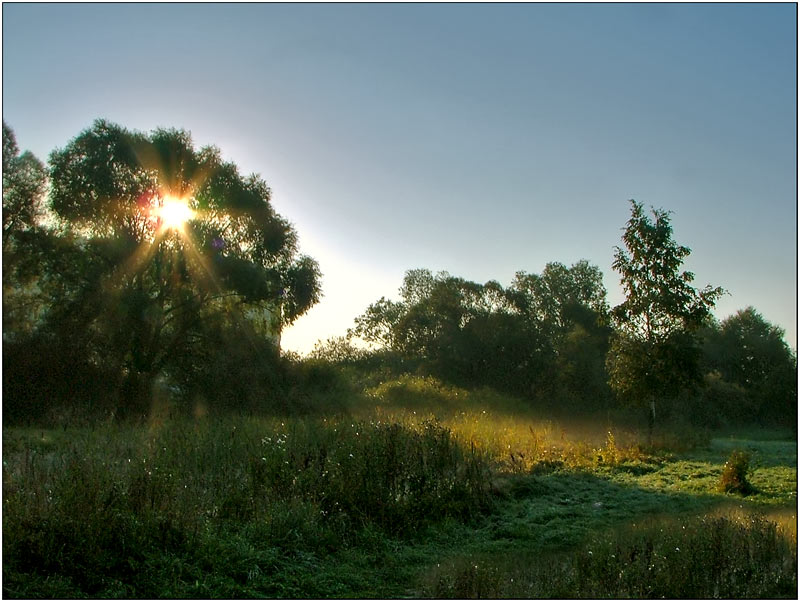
(174, 213)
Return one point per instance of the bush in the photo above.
(316, 386)
(419, 392)
(734, 474)
(43, 382)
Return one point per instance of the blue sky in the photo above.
(480, 139)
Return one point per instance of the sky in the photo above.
(479, 139)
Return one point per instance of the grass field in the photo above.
(418, 490)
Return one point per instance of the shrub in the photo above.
(419, 392)
(734, 474)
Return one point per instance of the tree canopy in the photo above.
(515, 338)
(155, 243)
(654, 353)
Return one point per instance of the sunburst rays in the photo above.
(165, 215)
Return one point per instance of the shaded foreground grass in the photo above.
(699, 557)
(375, 506)
(99, 512)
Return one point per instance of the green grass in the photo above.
(560, 516)
(373, 503)
(110, 510)
(698, 557)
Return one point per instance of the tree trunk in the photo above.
(135, 395)
(651, 421)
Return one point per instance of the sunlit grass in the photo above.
(504, 427)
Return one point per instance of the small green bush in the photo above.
(412, 391)
(734, 474)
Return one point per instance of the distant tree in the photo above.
(143, 287)
(514, 338)
(24, 179)
(654, 353)
(378, 324)
(24, 182)
(338, 350)
(556, 297)
(568, 306)
(751, 353)
(411, 325)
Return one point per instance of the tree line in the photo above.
(106, 302)
(553, 336)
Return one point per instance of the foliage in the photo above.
(749, 354)
(141, 298)
(654, 353)
(659, 298)
(562, 297)
(24, 181)
(515, 339)
(338, 350)
(734, 474)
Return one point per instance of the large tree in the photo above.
(166, 240)
(654, 353)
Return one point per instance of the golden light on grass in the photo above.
(174, 213)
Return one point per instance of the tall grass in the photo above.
(93, 513)
(737, 557)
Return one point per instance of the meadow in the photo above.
(413, 488)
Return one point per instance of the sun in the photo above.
(174, 213)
